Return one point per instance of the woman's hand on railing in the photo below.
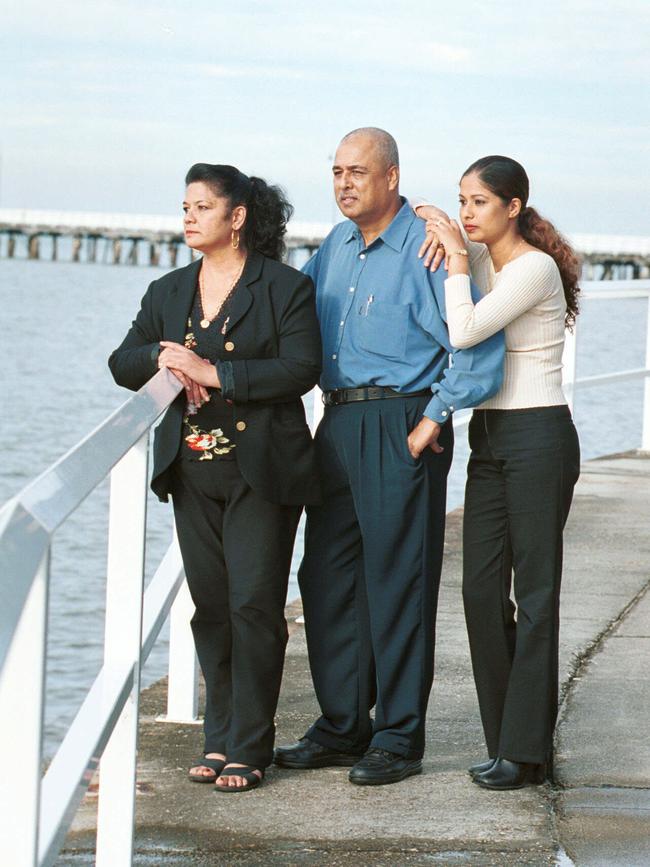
(178, 357)
(175, 358)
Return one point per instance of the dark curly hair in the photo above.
(267, 209)
(507, 179)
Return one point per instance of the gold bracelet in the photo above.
(458, 253)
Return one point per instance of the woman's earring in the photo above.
(234, 238)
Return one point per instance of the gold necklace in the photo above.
(206, 320)
(513, 251)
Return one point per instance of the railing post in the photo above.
(569, 364)
(645, 436)
(22, 687)
(183, 679)
(123, 637)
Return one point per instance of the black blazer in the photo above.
(273, 357)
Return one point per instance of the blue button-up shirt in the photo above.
(382, 318)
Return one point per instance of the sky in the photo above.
(105, 105)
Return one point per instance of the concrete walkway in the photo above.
(318, 818)
(603, 741)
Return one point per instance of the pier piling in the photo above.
(132, 257)
(605, 257)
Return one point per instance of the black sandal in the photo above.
(216, 765)
(246, 772)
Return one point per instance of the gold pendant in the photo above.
(204, 323)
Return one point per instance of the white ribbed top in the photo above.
(526, 299)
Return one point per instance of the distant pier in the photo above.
(146, 239)
(127, 239)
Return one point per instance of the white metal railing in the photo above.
(35, 810)
(614, 290)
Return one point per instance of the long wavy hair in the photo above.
(507, 179)
(267, 209)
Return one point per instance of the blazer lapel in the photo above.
(243, 297)
(179, 303)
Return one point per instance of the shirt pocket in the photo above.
(383, 329)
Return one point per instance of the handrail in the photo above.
(603, 290)
(41, 810)
(610, 290)
(35, 813)
(53, 495)
(44, 504)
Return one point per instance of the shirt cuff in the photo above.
(437, 410)
(226, 378)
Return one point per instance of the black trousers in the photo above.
(521, 473)
(370, 575)
(236, 550)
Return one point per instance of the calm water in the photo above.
(60, 322)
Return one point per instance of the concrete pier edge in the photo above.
(596, 812)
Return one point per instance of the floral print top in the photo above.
(207, 430)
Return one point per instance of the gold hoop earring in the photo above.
(234, 239)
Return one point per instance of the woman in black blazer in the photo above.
(239, 329)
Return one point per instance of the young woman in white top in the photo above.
(524, 459)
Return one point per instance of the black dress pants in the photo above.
(236, 550)
(521, 473)
(370, 575)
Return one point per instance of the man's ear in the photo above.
(393, 177)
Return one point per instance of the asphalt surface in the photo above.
(597, 812)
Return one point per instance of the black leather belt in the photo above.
(366, 392)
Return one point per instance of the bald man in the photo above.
(373, 549)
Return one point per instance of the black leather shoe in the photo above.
(379, 767)
(308, 754)
(505, 774)
(480, 767)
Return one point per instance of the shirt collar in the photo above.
(395, 232)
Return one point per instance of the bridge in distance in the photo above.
(87, 236)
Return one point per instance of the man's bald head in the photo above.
(366, 179)
(383, 142)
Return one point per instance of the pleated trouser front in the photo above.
(370, 576)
